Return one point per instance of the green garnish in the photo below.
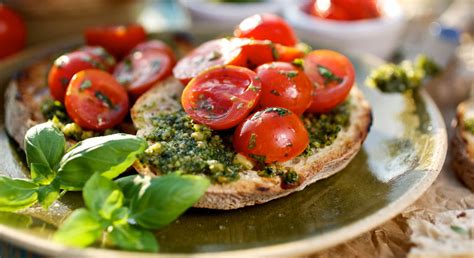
(275, 53)
(104, 99)
(54, 108)
(252, 141)
(86, 84)
(459, 230)
(469, 125)
(403, 77)
(328, 75)
(291, 74)
(298, 62)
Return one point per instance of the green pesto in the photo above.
(53, 108)
(403, 77)
(324, 128)
(190, 148)
(287, 175)
(469, 125)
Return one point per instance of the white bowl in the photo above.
(379, 36)
(218, 16)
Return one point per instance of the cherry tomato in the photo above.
(266, 27)
(95, 100)
(257, 52)
(12, 32)
(332, 75)
(156, 45)
(221, 97)
(272, 135)
(65, 67)
(345, 9)
(140, 70)
(284, 85)
(117, 40)
(102, 55)
(216, 52)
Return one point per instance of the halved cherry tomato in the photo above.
(332, 75)
(95, 100)
(140, 70)
(117, 40)
(12, 32)
(65, 66)
(266, 27)
(257, 52)
(102, 55)
(221, 97)
(156, 45)
(216, 52)
(345, 9)
(284, 85)
(271, 135)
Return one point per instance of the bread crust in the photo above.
(252, 189)
(463, 146)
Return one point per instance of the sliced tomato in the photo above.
(221, 97)
(12, 32)
(142, 69)
(266, 27)
(216, 52)
(345, 9)
(271, 135)
(258, 52)
(95, 100)
(117, 40)
(102, 55)
(284, 85)
(156, 45)
(65, 66)
(332, 75)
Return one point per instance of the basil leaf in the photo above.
(109, 155)
(133, 238)
(102, 196)
(44, 145)
(15, 220)
(80, 229)
(131, 185)
(16, 194)
(165, 199)
(47, 194)
(41, 173)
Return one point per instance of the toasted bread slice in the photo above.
(463, 145)
(252, 189)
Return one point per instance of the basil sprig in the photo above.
(124, 212)
(53, 170)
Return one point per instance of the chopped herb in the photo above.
(290, 177)
(291, 74)
(252, 141)
(469, 125)
(298, 62)
(86, 84)
(328, 75)
(459, 230)
(64, 81)
(260, 159)
(257, 78)
(104, 99)
(253, 88)
(54, 108)
(278, 110)
(275, 92)
(275, 53)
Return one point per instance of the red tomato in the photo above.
(216, 52)
(140, 70)
(332, 75)
(117, 40)
(65, 67)
(345, 9)
(266, 27)
(221, 97)
(272, 135)
(12, 32)
(102, 55)
(283, 85)
(156, 45)
(95, 100)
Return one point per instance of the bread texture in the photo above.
(463, 145)
(251, 188)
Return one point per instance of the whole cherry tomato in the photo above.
(345, 9)
(271, 135)
(266, 27)
(284, 85)
(12, 32)
(95, 100)
(221, 97)
(156, 45)
(140, 70)
(65, 66)
(117, 40)
(332, 75)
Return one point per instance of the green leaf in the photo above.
(108, 155)
(47, 194)
(42, 173)
(44, 145)
(130, 186)
(133, 239)
(80, 229)
(102, 196)
(16, 194)
(165, 198)
(15, 220)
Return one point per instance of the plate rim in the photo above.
(303, 246)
